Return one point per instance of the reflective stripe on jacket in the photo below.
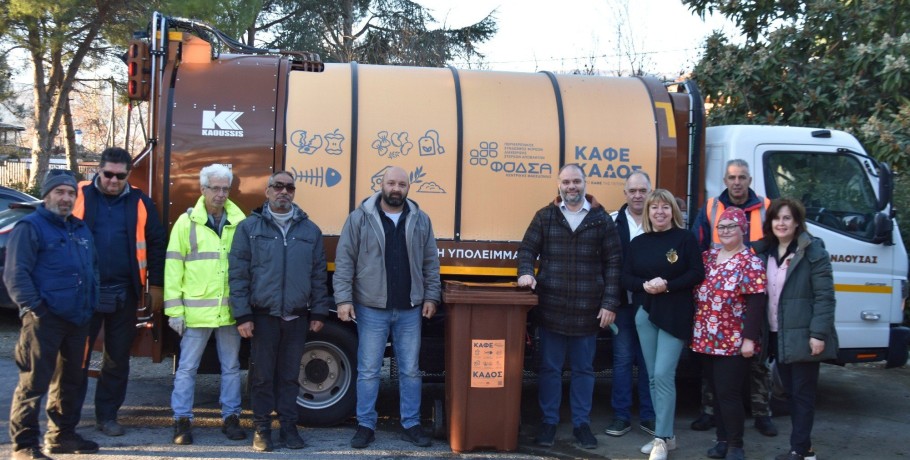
(196, 268)
(141, 219)
(715, 208)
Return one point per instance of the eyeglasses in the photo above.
(726, 228)
(111, 175)
(218, 189)
(60, 172)
(278, 186)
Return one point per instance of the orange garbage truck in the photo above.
(482, 150)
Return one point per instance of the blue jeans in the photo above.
(227, 340)
(626, 354)
(553, 348)
(373, 327)
(661, 351)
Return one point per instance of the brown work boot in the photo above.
(29, 453)
(183, 431)
(262, 440)
(290, 437)
(231, 428)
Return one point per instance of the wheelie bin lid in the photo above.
(505, 293)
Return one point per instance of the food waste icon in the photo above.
(310, 144)
(319, 177)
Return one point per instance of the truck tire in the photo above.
(438, 417)
(897, 347)
(328, 376)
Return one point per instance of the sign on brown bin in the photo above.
(485, 339)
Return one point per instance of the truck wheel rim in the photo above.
(325, 375)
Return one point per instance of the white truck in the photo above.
(848, 199)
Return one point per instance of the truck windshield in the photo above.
(834, 188)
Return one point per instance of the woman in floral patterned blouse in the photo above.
(730, 308)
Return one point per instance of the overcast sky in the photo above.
(563, 35)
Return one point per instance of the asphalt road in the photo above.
(863, 413)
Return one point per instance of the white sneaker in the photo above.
(658, 449)
(671, 445)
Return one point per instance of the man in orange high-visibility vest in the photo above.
(737, 194)
(131, 243)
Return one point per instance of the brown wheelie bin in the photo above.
(485, 345)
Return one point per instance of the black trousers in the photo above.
(726, 375)
(119, 332)
(800, 380)
(277, 348)
(49, 354)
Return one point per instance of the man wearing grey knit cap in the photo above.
(52, 275)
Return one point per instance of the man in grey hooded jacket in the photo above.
(387, 277)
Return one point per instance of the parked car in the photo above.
(11, 195)
(8, 218)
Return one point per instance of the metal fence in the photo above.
(16, 172)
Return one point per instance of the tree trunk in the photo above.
(42, 139)
(72, 151)
(347, 12)
(40, 158)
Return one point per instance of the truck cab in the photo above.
(848, 200)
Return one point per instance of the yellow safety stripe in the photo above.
(458, 270)
(863, 288)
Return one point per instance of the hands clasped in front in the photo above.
(655, 285)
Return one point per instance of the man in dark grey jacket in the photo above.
(279, 289)
(387, 277)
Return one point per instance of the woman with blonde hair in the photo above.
(663, 266)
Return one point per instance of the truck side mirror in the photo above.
(885, 186)
(883, 228)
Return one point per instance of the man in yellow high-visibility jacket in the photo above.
(196, 297)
